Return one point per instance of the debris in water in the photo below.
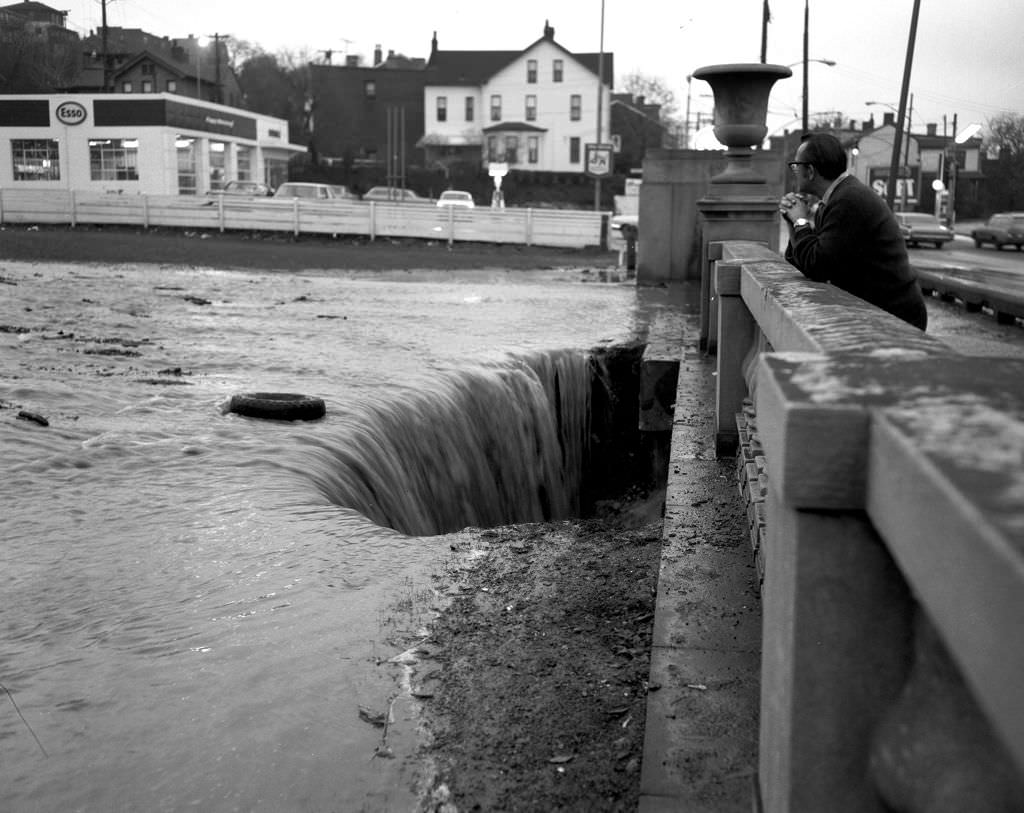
(25, 415)
(373, 717)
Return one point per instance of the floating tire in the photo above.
(278, 406)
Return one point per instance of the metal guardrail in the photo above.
(978, 289)
(894, 559)
(528, 226)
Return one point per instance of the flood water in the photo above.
(196, 604)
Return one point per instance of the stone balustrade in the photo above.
(892, 521)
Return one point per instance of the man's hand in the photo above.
(794, 206)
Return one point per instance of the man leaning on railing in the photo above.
(849, 238)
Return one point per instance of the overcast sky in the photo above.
(967, 60)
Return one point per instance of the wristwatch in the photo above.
(801, 221)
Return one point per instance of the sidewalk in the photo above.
(700, 749)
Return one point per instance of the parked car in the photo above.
(243, 189)
(921, 227)
(1003, 229)
(313, 191)
(393, 193)
(453, 197)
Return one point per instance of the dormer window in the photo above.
(531, 71)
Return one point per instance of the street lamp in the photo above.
(830, 62)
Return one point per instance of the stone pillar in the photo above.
(674, 180)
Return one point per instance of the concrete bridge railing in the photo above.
(893, 553)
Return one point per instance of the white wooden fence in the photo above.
(540, 227)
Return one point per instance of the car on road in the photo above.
(454, 197)
(1003, 229)
(313, 191)
(921, 227)
(243, 189)
(393, 193)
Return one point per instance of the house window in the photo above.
(126, 87)
(36, 159)
(492, 148)
(532, 149)
(531, 71)
(469, 108)
(114, 159)
(172, 86)
(370, 89)
(442, 108)
(147, 68)
(512, 149)
(495, 108)
(574, 150)
(147, 85)
(575, 107)
(531, 108)
(556, 70)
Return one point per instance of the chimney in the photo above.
(378, 55)
(352, 60)
(549, 31)
(932, 128)
(433, 44)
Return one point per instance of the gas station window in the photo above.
(114, 159)
(36, 159)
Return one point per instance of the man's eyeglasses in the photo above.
(794, 164)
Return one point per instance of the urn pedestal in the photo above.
(740, 204)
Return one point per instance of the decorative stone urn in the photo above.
(741, 111)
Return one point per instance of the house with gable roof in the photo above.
(534, 109)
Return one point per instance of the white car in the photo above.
(455, 198)
(313, 191)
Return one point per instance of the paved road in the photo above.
(961, 252)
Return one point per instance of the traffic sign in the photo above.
(599, 160)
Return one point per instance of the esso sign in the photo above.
(71, 113)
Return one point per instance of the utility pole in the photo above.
(600, 97)
(807, 18)
(894, 163)
(766, 17)
(217, 95)
(906, 152)
(106, 55)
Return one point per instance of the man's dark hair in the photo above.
(825, 154)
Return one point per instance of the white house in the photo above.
(535, 109)
(152, 143)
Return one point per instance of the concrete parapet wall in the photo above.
(892, 495)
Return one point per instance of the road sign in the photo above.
(599, 160)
